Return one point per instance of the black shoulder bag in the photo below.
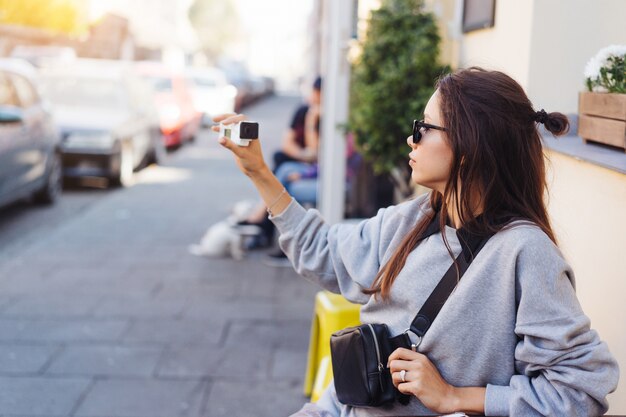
(359, 354)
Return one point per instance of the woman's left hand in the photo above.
(421, 379)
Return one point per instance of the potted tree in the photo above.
(392, 80)
(602, 109)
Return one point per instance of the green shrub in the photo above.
(392, 80)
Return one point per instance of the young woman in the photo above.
(512, 338)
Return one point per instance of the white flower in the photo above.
(612, 50)
(592, 69)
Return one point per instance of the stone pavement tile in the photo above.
(64, 279)
(204, 288)
(35, 280)
(5, 302)
(294, 287)
(294, 299)
(24, 269)
(27, 359)
(238, 308)
(261, 285)
(183, 270)
(302, 311)
(143, 398)
(106, 361)
(175, 332)
(127, 285)
(288, 363)
(40, 396)
(221, 267)
(135, 263)
(52, 304)
(245, 399)
(32, 285)
(27, 330)
(140, 306)
(271, 333)
(76, 272)
(243, 361)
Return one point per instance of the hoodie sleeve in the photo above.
(342, 258)
(562, 366)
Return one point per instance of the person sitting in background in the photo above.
(299, 153)
(301, 141)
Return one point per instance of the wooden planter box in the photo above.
(602, 118)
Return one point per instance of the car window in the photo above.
(145, 95)
(160, 84)
(25, 90)
(8, 95)
(86, 92)
(204, 81)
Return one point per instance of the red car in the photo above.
(178, 116)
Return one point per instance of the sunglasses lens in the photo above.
(417, 135)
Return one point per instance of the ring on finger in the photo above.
(403, 375)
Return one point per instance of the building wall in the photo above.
(565, 35)
(506, 46)
(587, 207)
(543, 44)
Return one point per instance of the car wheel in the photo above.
(51, 191)
(124, 175)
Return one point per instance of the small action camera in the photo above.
(240, 133)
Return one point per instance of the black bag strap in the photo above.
(470, 246)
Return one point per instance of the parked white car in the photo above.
(211, 92)
(106, 116)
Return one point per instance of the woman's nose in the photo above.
(409, 141)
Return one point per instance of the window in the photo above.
(25, 91)
(478, 14)
(8, 96)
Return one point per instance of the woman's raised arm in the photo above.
(340, 258)
(251, 163)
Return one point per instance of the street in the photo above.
(103, 311)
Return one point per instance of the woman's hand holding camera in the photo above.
(251, 163)
(249, 158)
(413, 373)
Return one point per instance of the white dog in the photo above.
(225, 238)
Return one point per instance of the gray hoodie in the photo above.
(513, 324)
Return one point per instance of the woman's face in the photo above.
(431, 158)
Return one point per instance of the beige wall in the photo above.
(588, 211)
(565, 35)
(543, 44)
(506, 46)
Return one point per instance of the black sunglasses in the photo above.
(418, 125)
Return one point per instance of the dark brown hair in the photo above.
(497, 158)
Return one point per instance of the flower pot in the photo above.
(602, 118)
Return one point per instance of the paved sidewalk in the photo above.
(108, 315)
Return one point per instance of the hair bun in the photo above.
(555, 123)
